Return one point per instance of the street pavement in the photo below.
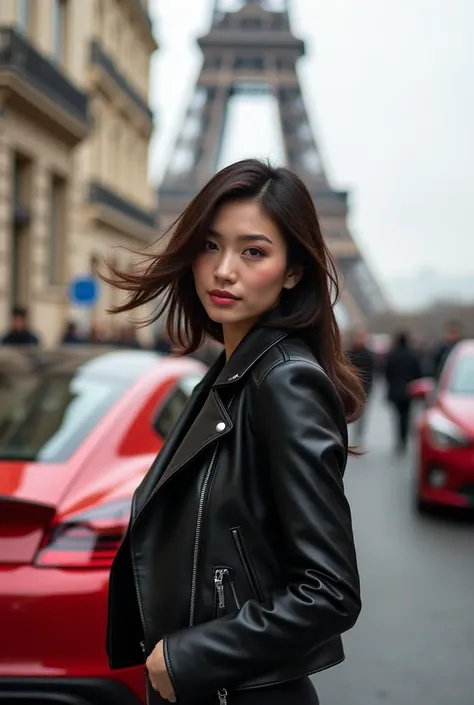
(414, 641)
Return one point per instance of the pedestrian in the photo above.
(238, 573)
(402, 367)
(71, 335)
(453, 334)
(363, 360)
(20, 332)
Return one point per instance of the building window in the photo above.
(57, 224)
(20, 242)
(60, 30)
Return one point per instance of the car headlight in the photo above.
(445, 433)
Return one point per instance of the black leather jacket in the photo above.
(240, 553)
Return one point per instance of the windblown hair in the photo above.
(165, 276)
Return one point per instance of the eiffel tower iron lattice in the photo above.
(253, 50)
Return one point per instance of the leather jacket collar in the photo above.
(248, 352)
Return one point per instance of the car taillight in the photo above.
(88, 539)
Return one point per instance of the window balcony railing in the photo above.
(18, 59)
(103, 196)
(102, 59)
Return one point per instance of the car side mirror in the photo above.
(422, 388)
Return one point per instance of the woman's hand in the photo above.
(158, 673)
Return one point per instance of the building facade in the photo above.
(75, 127)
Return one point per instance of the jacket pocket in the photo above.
(224, 591)
(247, 564)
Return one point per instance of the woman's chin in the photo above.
(224, 316)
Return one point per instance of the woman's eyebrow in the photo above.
(251, 237)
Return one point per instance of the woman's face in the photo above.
(242, 269)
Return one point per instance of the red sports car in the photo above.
(79, 428)
(445, 433)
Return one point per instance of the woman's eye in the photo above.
(209, 245)
(254, 252)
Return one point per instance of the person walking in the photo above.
(363, 360)
(402, 367)
(20, 332)
(238, 571)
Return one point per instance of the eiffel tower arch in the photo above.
(252, 50)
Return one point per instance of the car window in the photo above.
(462, 378)
(174, 405)
(46, 419)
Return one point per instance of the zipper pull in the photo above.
(219, 583)
(142, 644)
(222, 695)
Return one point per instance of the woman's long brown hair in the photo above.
(165, 276)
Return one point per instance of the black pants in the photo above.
(298, 692)
(402, 410)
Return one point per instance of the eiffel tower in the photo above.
(252, 50)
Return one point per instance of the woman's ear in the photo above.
(293, 276)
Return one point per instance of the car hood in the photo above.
(459, 409)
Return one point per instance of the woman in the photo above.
(238, 572)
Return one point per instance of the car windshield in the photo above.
(462, 380)
(48, 410)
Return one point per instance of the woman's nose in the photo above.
(225, 270)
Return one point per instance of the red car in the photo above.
(79, 428)
(445, 433)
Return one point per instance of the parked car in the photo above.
(79, 428)
(445, 433)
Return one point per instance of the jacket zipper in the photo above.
(147, 696)
(139, 601)
(197, 536)
(222, 695)
(219, 575)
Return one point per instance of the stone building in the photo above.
(75, 127)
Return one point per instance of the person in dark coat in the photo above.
(363, 360)
(20, 333)
(402, 367)
(70, 335)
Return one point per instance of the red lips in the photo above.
(221, 294)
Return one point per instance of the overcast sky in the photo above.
(390, 91)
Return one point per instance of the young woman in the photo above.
(238, 572)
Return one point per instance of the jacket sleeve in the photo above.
(302, 433)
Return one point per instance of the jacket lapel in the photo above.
(211, 423)
(205, 419)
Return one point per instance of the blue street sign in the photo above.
(84, 290)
